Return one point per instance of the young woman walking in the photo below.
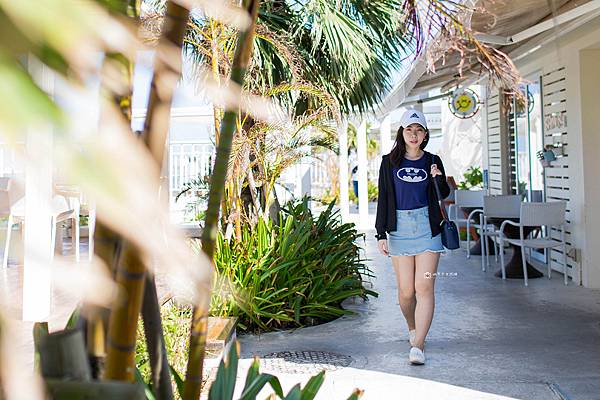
(408, 224)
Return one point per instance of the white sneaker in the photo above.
(416, 356)
(412, 334)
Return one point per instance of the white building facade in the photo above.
(557, 52)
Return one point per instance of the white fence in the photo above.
(188, 161)
(320, 176)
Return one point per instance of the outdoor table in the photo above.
(514, 267)
(476, 247)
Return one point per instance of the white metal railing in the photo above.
(188, 161)
(318, 174)
(321, 180)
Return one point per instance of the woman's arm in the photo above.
(380, 218)
(442, 183)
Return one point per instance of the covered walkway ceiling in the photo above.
(504, 19)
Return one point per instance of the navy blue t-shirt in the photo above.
(410, 182)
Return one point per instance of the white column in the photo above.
(303, 177)
(363, 199)
(306, 176)
(586, 181)
(385, 132)
(298, 179)
(343, 169)
(37, 247)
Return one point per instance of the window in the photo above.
(526, 139)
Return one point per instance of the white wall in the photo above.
(584, 219)
(590, 127)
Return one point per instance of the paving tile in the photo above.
(489, 338)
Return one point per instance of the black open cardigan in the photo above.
(386, 200)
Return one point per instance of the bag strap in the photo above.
(437, 190)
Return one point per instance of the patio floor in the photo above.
(489, 339)
(11, 296)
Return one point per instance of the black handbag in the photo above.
(448, 228)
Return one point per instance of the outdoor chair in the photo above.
(502, 206)
(89, 210)
(64, 207)
(470, 199)
(549, 214)
(85, 208)
(536, 196)
(11, 209)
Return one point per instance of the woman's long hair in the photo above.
(399, 149)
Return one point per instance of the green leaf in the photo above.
(312, 386)
(23, 103)
(294, 394)
(256, 385)
(224, 384)
(72, 322)
(253, 372)
(179, 383)
(147, 389)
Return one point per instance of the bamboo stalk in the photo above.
(107, 243)
(131, 271)
(94, 390)
(198, 331)
(157, 351)
(123, 320)
(156, 134)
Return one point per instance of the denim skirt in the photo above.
(413, 234)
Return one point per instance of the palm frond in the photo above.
(438, 24)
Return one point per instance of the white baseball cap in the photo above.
(412, 116)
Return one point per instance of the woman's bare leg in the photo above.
(425, 270)
(405, 277)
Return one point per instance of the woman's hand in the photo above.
(383, 247)
(435, 171)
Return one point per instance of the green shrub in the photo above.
(291, 275)
(176, 328)
(473, 179)
(372, 192)
(351, 196)
(329, 196)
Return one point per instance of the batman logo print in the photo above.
(412, 175)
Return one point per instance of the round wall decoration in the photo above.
(464, 103)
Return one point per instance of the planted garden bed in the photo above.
(291, 274)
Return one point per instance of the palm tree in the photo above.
(309, 57)
(348, 48)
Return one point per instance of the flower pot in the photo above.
(549, 156)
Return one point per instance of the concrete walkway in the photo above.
(489, 339)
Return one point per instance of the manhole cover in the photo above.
(304, 362)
